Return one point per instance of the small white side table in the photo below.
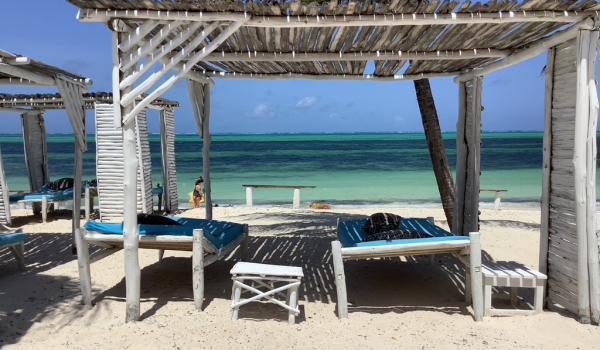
(273, 279)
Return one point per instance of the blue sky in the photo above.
(513, 98)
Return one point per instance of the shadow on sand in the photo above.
(304, 239)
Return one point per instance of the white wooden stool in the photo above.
(513, 275)
(266, 276)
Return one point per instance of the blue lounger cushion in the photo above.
(10, 239)
(351, 233)
(51, 196)
(220, 233)
(418, 242)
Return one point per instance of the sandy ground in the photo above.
(410, 304)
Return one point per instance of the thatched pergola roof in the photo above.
(55, 101)
(16, 69)
(339, 38)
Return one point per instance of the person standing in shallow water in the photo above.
(198, 194)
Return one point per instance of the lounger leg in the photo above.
(538, 299)
(293, 303)
(19, 253)
(487, 300)
(83, 264)
(44, 209)
(237, 292)
(514, 295)
(340, 279)
(476, 276)
(468, 291)
(198, 269)
(161, 254)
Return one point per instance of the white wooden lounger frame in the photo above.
(203, 251)
(469, 254)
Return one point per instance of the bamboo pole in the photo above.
(580, 175)
(545, 209)
(83, 265)
(592, 238)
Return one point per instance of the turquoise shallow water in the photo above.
(350, 169)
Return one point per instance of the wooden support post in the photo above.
(161, 254)
(198, 269)
(476, 277)
(87, 203)
(164, 150)
(296, 201)
(4, 196)
(468, 150)
(545, 206)
(592, 237)
(340, 279)
(130, 227)
(249, 196)
(35, 142)
(200, 96)
(206, 140)
(83, 265)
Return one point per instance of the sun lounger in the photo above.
(16, 243)
(209, 240)
(352, 244)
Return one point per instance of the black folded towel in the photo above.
(386, 226)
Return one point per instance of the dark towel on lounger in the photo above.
(386, 226)
(151, 219)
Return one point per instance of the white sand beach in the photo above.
(393, 304)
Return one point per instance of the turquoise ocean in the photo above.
(353, 169)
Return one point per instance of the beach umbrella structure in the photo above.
(158, 43)
(17, 70)
(109, 152)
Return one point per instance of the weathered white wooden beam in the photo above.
(156, 55)
(326, 77)
(20, 72)
(151, 45)
(253, 56)
(545, 205)
(530, 52)
(594, 105)
(410, 19)
(184, 69)
(156, 76)
(582, 114)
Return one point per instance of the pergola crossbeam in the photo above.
(325, 77)
(22, 73)
(400, 19)
(253, 56)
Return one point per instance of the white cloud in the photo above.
(306, 102)
(263, 110)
